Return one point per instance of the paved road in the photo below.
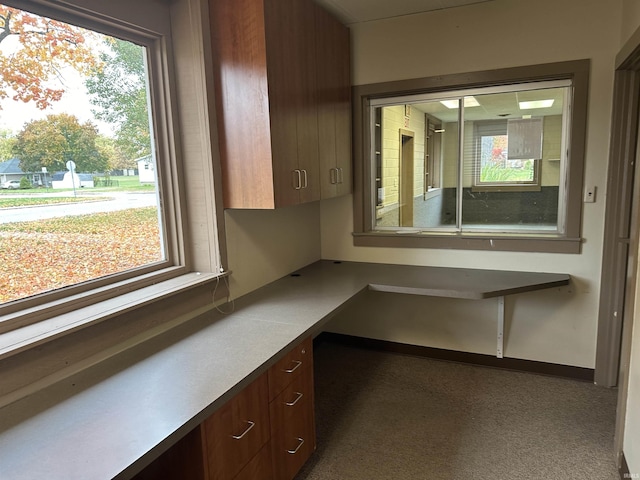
(118, 201)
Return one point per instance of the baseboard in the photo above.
(623, 470)
(544, 368)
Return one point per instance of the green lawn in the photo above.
(120, 184)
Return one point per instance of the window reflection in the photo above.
(486, 161)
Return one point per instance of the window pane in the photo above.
(497, 167)
(79, 197)
(415, 158)
(513, 162)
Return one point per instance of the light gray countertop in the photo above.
(111, 420)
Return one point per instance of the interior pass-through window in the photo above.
(492, 163)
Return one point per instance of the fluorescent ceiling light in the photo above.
(536, 104)
(468, 102)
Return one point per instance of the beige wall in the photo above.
(264, 245)
(630, 17)
(554, 326)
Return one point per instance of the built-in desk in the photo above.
(112, 419)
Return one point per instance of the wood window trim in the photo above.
(570, 242)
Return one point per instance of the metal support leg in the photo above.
(500, 327)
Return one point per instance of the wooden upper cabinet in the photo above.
(334, 105)
(271, 88)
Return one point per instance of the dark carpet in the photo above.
(391, 416)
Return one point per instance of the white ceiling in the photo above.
(356, 11)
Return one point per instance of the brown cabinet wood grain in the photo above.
(289, 367)
(259, 468)
(182, 460)
(291, 411)
(292, 426)
(235, 433)
(334, 105)
(270, 85)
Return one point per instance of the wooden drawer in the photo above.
(293, 437)
(238, 431)
(259, 468)
(290, 367)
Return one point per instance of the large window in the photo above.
(79, 196)
(457, 163)
(92, 201)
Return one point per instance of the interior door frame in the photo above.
(617, 230)
(620, 250)
(406, 184)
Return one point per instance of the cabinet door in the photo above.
(307, 103)
(280, 18)
(237, 431)
(344, 161)
(289, 27)
(334, 105)
(292, 426)
(242, 102)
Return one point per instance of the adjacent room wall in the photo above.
(556, 326)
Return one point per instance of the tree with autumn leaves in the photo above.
(56, 140)
(114, 74)
(46, 46)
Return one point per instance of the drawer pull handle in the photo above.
(300, 442)
(291, 404)
(291, 370)
(238, 437)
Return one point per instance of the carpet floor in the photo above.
(390, 416)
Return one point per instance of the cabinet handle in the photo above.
(297, 362)
(333, 176)
(238, 437)
(300, 442)
(305, 183)
(291, 404)
(297, 179)
(340, 175)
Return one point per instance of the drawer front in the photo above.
(237, 432)
(290, 367)
(293, 437)
(259, 468)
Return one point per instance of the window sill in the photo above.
(29, 336)
(470, 241)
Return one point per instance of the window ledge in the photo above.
(470, 241)
(29, 336)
